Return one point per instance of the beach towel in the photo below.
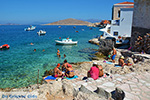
(72, 77)
(117, 66)
(108, 62)
(50, 78)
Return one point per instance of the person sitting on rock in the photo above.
(128, 61)
(109, 56)
(64, 66)
(57, 72)
(121, 61)
(93, 72)
(101, 73)
(69, 71)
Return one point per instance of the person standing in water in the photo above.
(58, 53)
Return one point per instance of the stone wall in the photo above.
(141, 15)
(141, 20)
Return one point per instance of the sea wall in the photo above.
(141, 19)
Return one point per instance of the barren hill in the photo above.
(69, 21)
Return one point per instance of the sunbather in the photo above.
(64, 66)
(69, 71)
(121, 61)
(101, 73)
(93, 72)
(57, 72)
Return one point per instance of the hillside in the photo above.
(69, 21)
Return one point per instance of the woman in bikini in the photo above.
(69, 71)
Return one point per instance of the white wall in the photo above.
(125, 25)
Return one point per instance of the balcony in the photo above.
(115, 22)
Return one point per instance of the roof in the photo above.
(128, 7)
(126, 2)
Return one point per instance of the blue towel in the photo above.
(108, 62)
(50, 78)
(117, 66)
(72, 77)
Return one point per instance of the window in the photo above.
(119, 14)
(115, 33)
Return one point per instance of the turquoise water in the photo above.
(19, 65)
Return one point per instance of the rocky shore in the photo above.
(118, 83)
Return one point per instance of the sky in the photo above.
(46, 11)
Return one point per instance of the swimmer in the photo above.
(34, 50)
(58, 52)
(31, 44)
(64, 56)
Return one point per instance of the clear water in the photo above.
(19, 65)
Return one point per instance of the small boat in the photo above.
(5, 46)
(40, 32)
(66, 42)
(31, 28)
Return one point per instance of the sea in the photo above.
(19, 65)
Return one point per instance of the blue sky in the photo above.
(46, 11)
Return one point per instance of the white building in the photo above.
(122, 23)
(123, 26)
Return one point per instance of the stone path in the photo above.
(135, 86)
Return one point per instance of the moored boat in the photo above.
(31, 28)
(66, 42)
(41, 32)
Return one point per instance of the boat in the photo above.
(41, 32)
(5, 46)
(66, 42)
(31, 28)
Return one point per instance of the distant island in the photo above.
(10, 24)
(69, 21)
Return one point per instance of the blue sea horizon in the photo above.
(19, 65)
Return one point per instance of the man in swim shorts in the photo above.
(57, 72)
(114, 55)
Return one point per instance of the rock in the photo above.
(95, 58)
(67, 88)
(105, 46)
(103, 93)
(85, 94)
(118, 94)
(55, 87)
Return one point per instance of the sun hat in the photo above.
(122, 57)
(95, 63)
